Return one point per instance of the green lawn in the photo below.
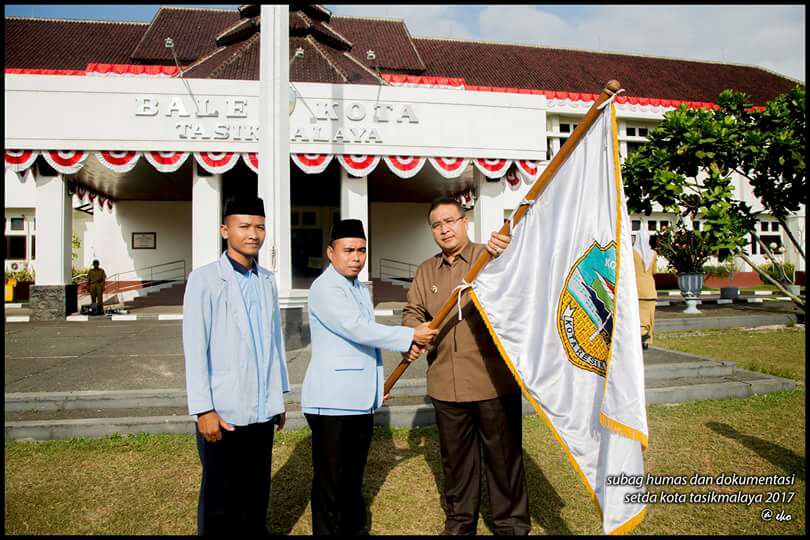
(778, 352)
(148, 484)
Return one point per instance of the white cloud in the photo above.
(772, 37)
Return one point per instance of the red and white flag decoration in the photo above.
(312, 163)
(216, 162)
(512, 177)
(120, 162)
(493, 168)
(251, 159)
(65, 161)
(466, 199)
(449, 167)
(20, 160)
(405, 166)
(358, 165)
(528, 169)
(166, 161)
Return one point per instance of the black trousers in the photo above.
(340, 447)
(464, 429)
(235, 488)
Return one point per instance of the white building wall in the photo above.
(109, 237)
(400, 231)
(20, 191)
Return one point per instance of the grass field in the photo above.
(778, 352)
(148, 484)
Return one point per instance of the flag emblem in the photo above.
(586, 308)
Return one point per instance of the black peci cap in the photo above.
(250, 206)
(347, 228)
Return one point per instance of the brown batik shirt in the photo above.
(464, 364)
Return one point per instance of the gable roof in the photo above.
(523, 66)
(68, 44)
(193, 30)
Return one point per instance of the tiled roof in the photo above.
(302, 25)
(68, 44)
(519, 66)
(389, 39)
(193, 30)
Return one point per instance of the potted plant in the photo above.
(686, 252)
(24, 278)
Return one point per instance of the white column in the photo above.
(54, 227)
(274, 142)
(206, 216)
(488, 210)
(354, 205)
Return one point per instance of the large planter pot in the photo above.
(729, 293)
(690, 283)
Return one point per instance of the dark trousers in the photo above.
(235, 486)
(97, 294)
(466, 427)
(340, 447)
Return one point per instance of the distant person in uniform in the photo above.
(644, 257)
(236, 373)
(343, 385)
(96, 277)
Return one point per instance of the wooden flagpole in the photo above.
(556, 162)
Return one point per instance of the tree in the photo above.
(688, 163)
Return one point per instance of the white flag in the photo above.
(562, 306)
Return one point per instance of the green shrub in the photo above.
(721, 270)
(781, 272)
(24, 274)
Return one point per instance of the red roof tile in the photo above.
(389, 39)
(68, 44)
(519, 66)
(193, 30)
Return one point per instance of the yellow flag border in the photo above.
(611, 423)
(607, 422)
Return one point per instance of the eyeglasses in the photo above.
(449, 222)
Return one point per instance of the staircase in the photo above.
(172, 295)
(394, 281)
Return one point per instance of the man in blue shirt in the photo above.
(236, 372)
(343, 384)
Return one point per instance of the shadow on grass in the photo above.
(784, 458)
(290, 489)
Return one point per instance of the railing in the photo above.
(392, 269)
(158, 273)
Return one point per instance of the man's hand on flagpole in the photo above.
(497, 243)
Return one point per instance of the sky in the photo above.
(768, 36)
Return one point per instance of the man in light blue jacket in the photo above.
(343, 384)
(236, 372)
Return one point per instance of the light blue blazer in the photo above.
(346, 368)
(221, 366)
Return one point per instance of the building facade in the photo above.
(111, 154)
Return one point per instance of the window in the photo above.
(632, 147)
(696, 224)
(631, 131)
(636, 224)
(565, 128)
(642, 132)
(651, 225)
(17, 224)
(15, 247)
(663, 224)
(33, 247)
(763, 226)
(774, 226)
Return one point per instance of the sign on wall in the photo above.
(83, 113)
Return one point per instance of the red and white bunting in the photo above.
(529, 170)
(251, 159)
(493, 168)
(312, 163)
(120, 162)
(20, 160)
(166, 161)
(66, 161)
(405, 166)
(449, 167)
(216, 162)
(512, 177)
(358, 165)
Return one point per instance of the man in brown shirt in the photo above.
(476, 399)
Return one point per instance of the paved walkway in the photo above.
(128, 355)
